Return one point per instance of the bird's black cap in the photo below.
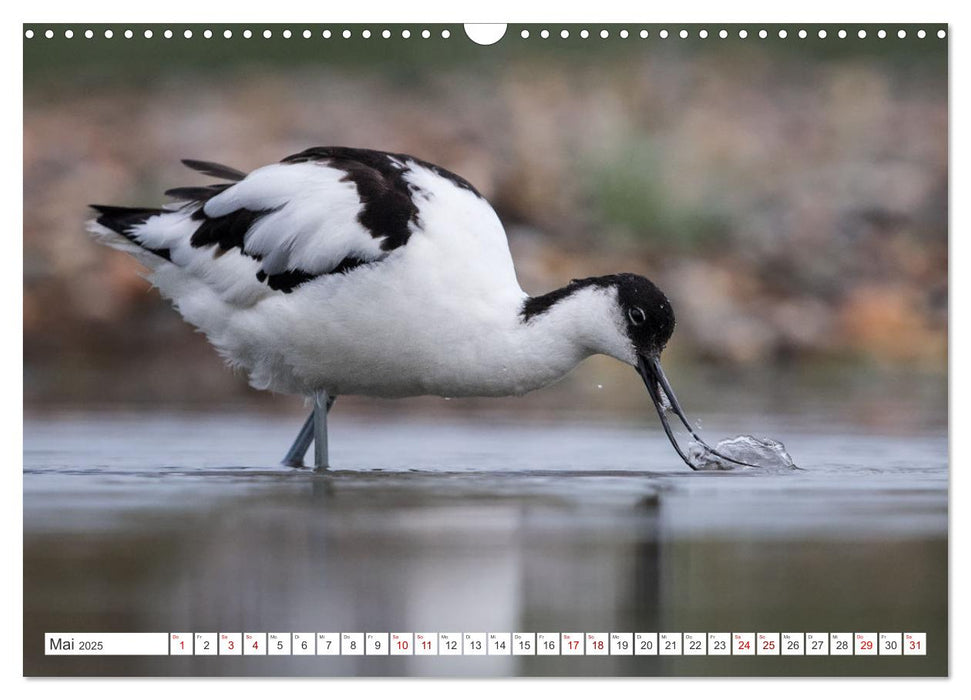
(647, 312)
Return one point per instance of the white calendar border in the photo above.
(503, 10)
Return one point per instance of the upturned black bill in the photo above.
(658, 386)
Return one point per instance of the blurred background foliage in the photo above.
(790, 196)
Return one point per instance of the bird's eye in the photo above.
(636, 316)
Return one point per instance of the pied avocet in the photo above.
(353, 271)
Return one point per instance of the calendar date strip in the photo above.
(486, 644)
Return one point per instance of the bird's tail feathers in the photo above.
(115, 227)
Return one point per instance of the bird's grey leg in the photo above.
(295, 455)
(322, 404)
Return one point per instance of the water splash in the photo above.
(764, 453)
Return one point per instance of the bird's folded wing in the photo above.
(298, 220)
(320, 212)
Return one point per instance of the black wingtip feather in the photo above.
(122, 220)
(223, 172)
(196, 194)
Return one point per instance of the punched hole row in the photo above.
(446, 34)
(724, 34)
(245, 34)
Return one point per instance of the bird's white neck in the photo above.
(544, 346)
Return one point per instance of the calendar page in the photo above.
(601, 350)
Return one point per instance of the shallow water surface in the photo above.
(185, 523)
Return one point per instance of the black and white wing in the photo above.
(320, 212)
